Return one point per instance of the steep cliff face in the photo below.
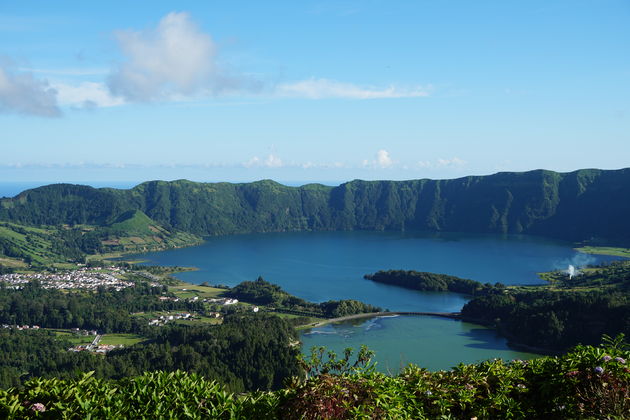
(581, 205)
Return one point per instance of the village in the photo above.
(164, 319)
(82, 278)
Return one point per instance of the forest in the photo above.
(552, 319)
(245, 352)
(106, 310)
(562, 314)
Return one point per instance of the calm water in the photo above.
(433, 343)
(320, 266)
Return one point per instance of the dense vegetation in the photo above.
(588, 382)
(552, 319)
(566, 312)
(433, 282)
(245, 352)
(107, 310)
(564, 205)
(262, 292)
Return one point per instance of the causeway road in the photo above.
(452, 315)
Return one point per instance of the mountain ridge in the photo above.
(583, 205)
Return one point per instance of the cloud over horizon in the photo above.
(325, 88)
(271, 161)
(454, 162)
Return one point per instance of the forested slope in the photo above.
(582, 205)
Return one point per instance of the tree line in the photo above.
(433, 282)
(262, 292)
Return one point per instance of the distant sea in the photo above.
(11, 189)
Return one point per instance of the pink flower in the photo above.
(38, 407)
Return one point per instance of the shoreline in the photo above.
(450, 315)
(514, 345)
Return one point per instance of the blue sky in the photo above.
(311, 90)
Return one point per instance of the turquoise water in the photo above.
(430, 342)
(320, 266)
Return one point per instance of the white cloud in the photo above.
(454, 162)
(21, 93)
(326, 88)
(382, 160)
(173, 60)
(86, 95)
(271, 161)
(328, 165)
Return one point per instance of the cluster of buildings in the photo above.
(100, 348)
(95, 347)
(79, 331)
(163, 319)
(222, 301)
(21, 327)
(82, 278)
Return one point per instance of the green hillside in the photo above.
(135, 222)
(586, 205)
(22, 245)
(133, 231)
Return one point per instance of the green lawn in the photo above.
(200, 319)
(124, 339)
(73, 338)
(186, 290)
(605, 250)
(12, 262)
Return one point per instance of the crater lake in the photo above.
(320, 266)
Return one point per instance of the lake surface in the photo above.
(430, 342)
(319, 266)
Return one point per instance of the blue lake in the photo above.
(320, 266)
